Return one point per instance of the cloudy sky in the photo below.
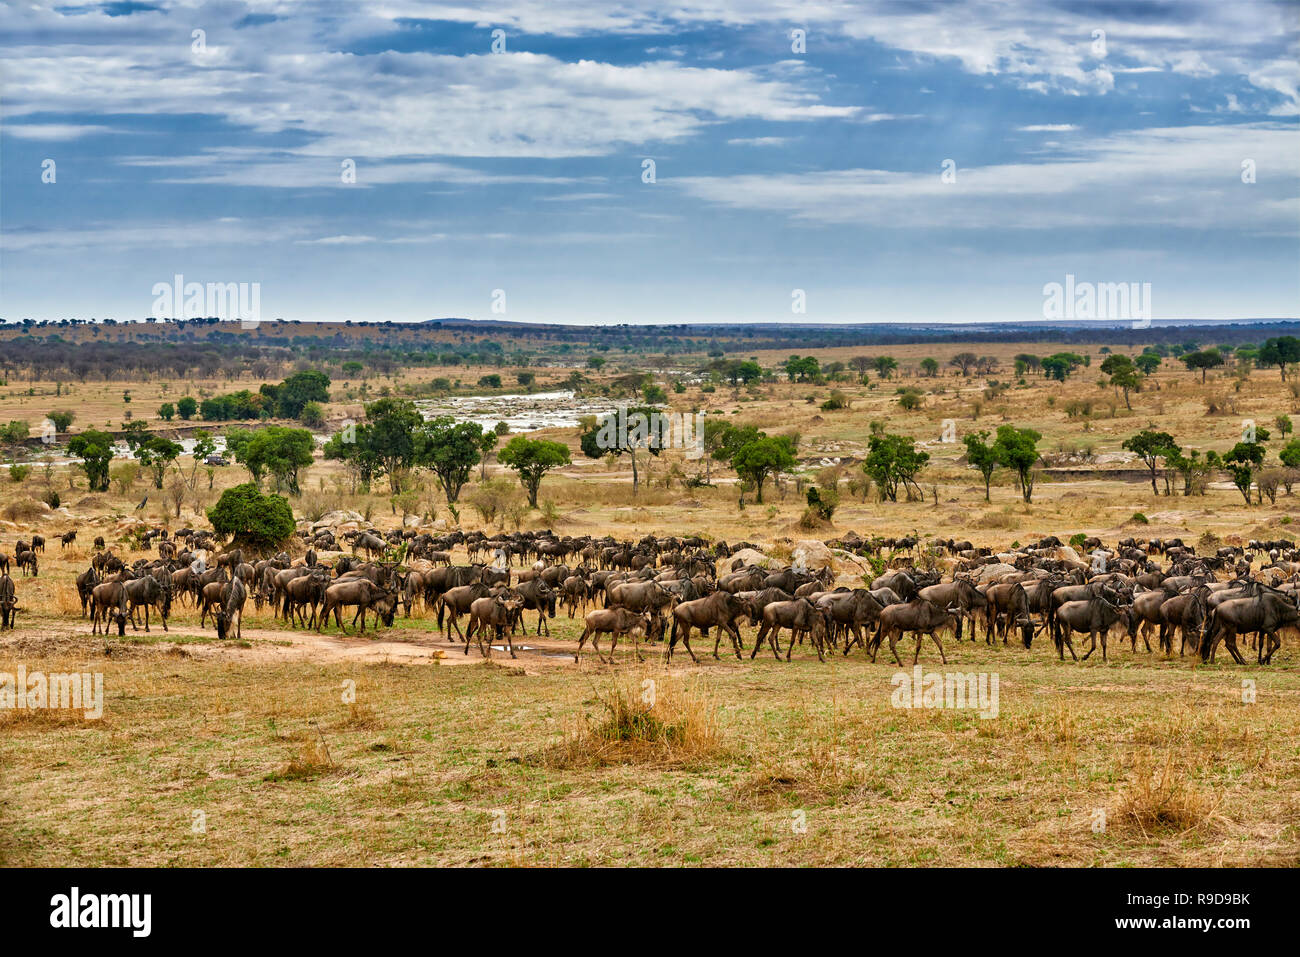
(796, 145)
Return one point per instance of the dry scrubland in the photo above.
(443, 759)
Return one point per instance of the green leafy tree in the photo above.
(156, 454)
(1017, 449)
(1147, 363)
(802, 368)
(95, 449)
(1279, 351)
(135, 434)
(1202, 359)
(261, 523)
(1151, 446)
(276, 450)
(885, 365)
(1123, 374)
(166, 411)
(186, 406)
(982, 456)
(389, 437)
(288, 398)
(760, 458)
(930, 367)
(62, 419)
(1242, 462)
(532, 459)
(893, 461)
(451, 450)
(603, 436)
(1061, 364)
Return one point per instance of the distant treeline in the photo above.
(76, 350)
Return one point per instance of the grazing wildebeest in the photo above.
(497, 612)
(8, 601)
(26, 560)
(801, 616)
(613, 622)
(1266, 614)
(38, 543)
(105, 598)
(364, 594)
(149, 592)
(67, 538)
(1094, 616)
(920, 617)
(232, 610)
(4, 564)
(719, 610)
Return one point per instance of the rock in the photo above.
(987, 573)
(335, 518)
(811, 555)
(751, 556)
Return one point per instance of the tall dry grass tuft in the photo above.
(1162, 799)
(312, 760)
(649, 718)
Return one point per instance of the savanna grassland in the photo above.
(396, 748)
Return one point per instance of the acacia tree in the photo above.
(1018, 449)
(1151, 446)
(616, 434)
(451, 451)
(760, 458)
(95, 449)
(893, 460)
(532, 459)
(155, 454)
(981, 456)
(1241, 462)
(964, 361)
(1123, 375)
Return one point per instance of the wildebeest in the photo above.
(497, 612)
(801, 616)
(612, 622)
(920, 617)
(539, 596)
(26, 560)
(232, 610)
(1266, 614)
(108, 598)
(1096, 616)
(365, 595)
(67, 538)
(8, 601)
(149, 592)
(38, 543)
(720, 610)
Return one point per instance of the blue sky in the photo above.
(1104, 140)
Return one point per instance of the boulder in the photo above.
(337, 517)
(986, 573)
(811, 555)
(751, 556)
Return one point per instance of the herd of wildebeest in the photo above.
(665, 589)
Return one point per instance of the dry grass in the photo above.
(653, 718)
(1162, 798)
